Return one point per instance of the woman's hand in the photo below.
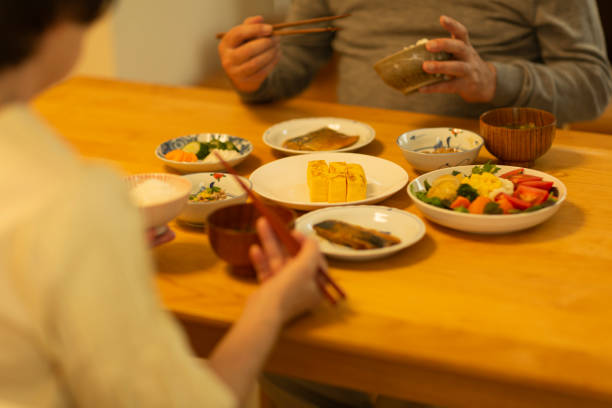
(249, 53)
(155, 238)
(472, 78)
(291, 281)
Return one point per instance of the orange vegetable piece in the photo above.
(460, 201)
(189, 157)
(478, 205)
(175, 155)
(504, 204)
(180, 155)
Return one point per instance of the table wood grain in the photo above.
(461, 320)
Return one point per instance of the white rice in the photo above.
(225, 154)
(151, 192)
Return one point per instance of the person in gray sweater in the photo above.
(544, 54)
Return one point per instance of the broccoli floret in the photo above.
(467, 191)
(493, 208)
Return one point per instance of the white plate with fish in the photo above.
(333, 135)
(284, 181)
(380, 231)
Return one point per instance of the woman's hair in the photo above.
(22, 22)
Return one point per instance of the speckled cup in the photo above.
(404, 69)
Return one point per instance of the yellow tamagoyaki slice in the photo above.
(356, 182)
(317, 176)
(337, 182)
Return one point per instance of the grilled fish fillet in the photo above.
(321, 139)
(354, 236)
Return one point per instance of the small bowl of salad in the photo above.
(194, 153)
(209, 192)
(488, 199)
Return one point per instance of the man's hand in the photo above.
(249, 53)
(471, 78)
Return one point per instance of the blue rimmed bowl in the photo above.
(244, 149)
(418, 147)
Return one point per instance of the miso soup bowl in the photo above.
(518, 136)
(231, 232)
(418, 145)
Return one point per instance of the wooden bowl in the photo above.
(518, 136)
(231, 232)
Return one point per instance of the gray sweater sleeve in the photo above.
(302, 56)
(573, 79)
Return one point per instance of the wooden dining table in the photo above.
(458, 319)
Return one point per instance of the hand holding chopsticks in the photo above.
(277, 27)
(292, 246)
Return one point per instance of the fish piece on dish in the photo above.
(320, 140)
(354, 236)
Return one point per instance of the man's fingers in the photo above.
(442, 87)
(256, 63)
(251, 49)
(253, 20)
(455, 28)
(243, 33)
(452, 68)
(457, 48)
(262, 74)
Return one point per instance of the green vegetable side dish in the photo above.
(203, 149)
(485, 192)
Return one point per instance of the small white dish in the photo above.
(277, 134)
(484, 223)
(283, 181)
(406, 226)
(159, 213)
(418, 144)
(244, 148)
(196, 212)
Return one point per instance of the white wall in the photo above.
(174, 42)
(98, 56)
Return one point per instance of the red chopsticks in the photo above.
(291, 244)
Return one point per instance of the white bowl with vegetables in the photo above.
(435, 148)
(194, 153)
(487, 199)
(210, 191)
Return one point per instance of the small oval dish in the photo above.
(422, 148)
(276, 135)
(486, 223)
(196, 211)
(243, 149)
(406, 226)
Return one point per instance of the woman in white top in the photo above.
(80, 323)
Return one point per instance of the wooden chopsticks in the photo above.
(291, 244)
(277, 27)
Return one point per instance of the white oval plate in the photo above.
(277, 134)
(283, 181)
(406, 226)
(244, 148)
(484, 223)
